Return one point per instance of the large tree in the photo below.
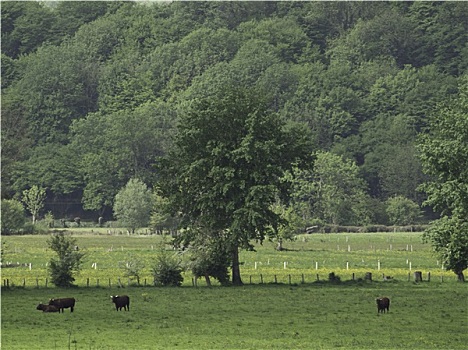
(444, 155)
(225, 170)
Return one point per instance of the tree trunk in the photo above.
(236, 277)
(461, 276)
(207, 279)
(279, 247)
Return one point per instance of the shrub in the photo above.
(12, 216)
(132, 267)
(333, 278)
(39, 228)
(167, 270)
(68, 262)
(210, 257)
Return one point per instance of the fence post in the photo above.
(97, 282)
(317, 277)
(275, 279)
(303, 279)
(37, 282)
(87, 282)
(24, 282)
(429, 276)
(289, 277)
(261, 278)
(109, 282)
(418, 276)
(46, 280)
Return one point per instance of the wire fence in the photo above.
(268, 278)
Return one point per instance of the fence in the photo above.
(417, 276)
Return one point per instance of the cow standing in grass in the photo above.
(63, 303)
(121, 301)
(47, 308)
(383, 304)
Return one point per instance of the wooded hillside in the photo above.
(91, 92)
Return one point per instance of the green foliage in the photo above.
(167, 269)
(133, 205)
(402, 211)
(34, 198)
(49, 219)
(449, 238)
(68, 262)
(210, 257)
(116, 147)
(91, 91)
(338, 191)
(225, 168)
(444, 157)
(160, 218)
(12, 218)
(132, 267)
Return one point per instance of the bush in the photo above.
(68, 262)
(333, 278)
(167, 270)
(12, 216)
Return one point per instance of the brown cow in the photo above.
(63, 303)
(47, 308)
(121, 301)
(383, 304)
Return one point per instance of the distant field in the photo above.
(397, 254)
(287, 315)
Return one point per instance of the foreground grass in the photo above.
(305, 316)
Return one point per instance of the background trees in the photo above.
(34, 200)
(133, 204)
(12, 216)
(92, 92)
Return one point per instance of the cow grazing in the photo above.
(47, 308)
(121, 301)
(383, 304)
(63, 303)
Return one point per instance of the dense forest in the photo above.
(92, 92)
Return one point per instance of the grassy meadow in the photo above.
(297, 312)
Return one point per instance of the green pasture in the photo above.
(296, 312)
(268, 316)
(396, 254)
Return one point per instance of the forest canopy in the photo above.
(92, 93)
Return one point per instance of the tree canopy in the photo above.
(225, 170)
(444, 155)
(92, 91)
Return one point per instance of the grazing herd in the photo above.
(58, 305)
(123, 301)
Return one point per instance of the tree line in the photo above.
(239, 116)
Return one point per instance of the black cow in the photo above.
(63, 303)
(121, 301)
(47, 308)
(383, 304)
